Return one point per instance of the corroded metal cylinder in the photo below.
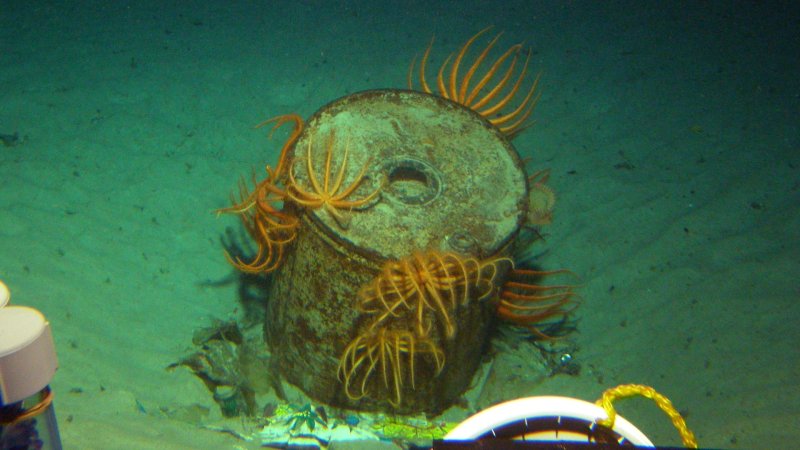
(448, 181)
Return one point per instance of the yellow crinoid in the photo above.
(487, 96)
(329, 192)
(526, 303)
(426, 286)
(391, 353)
(271, 228)
(259, 210)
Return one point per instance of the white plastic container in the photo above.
(27, 365)
(549, 419)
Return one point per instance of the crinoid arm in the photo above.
(279, 121)
(525, 302)
(260, 210)
(491, 94)
(426, 288)
(328, 191)
(389, 354)
(270, 228)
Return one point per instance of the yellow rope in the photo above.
(629, 390)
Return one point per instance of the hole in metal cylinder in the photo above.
(412, 182)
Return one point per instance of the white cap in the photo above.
(5, 295)
(27, 353)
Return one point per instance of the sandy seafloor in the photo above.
(671, 129)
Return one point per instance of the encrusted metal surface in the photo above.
(448, 181)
